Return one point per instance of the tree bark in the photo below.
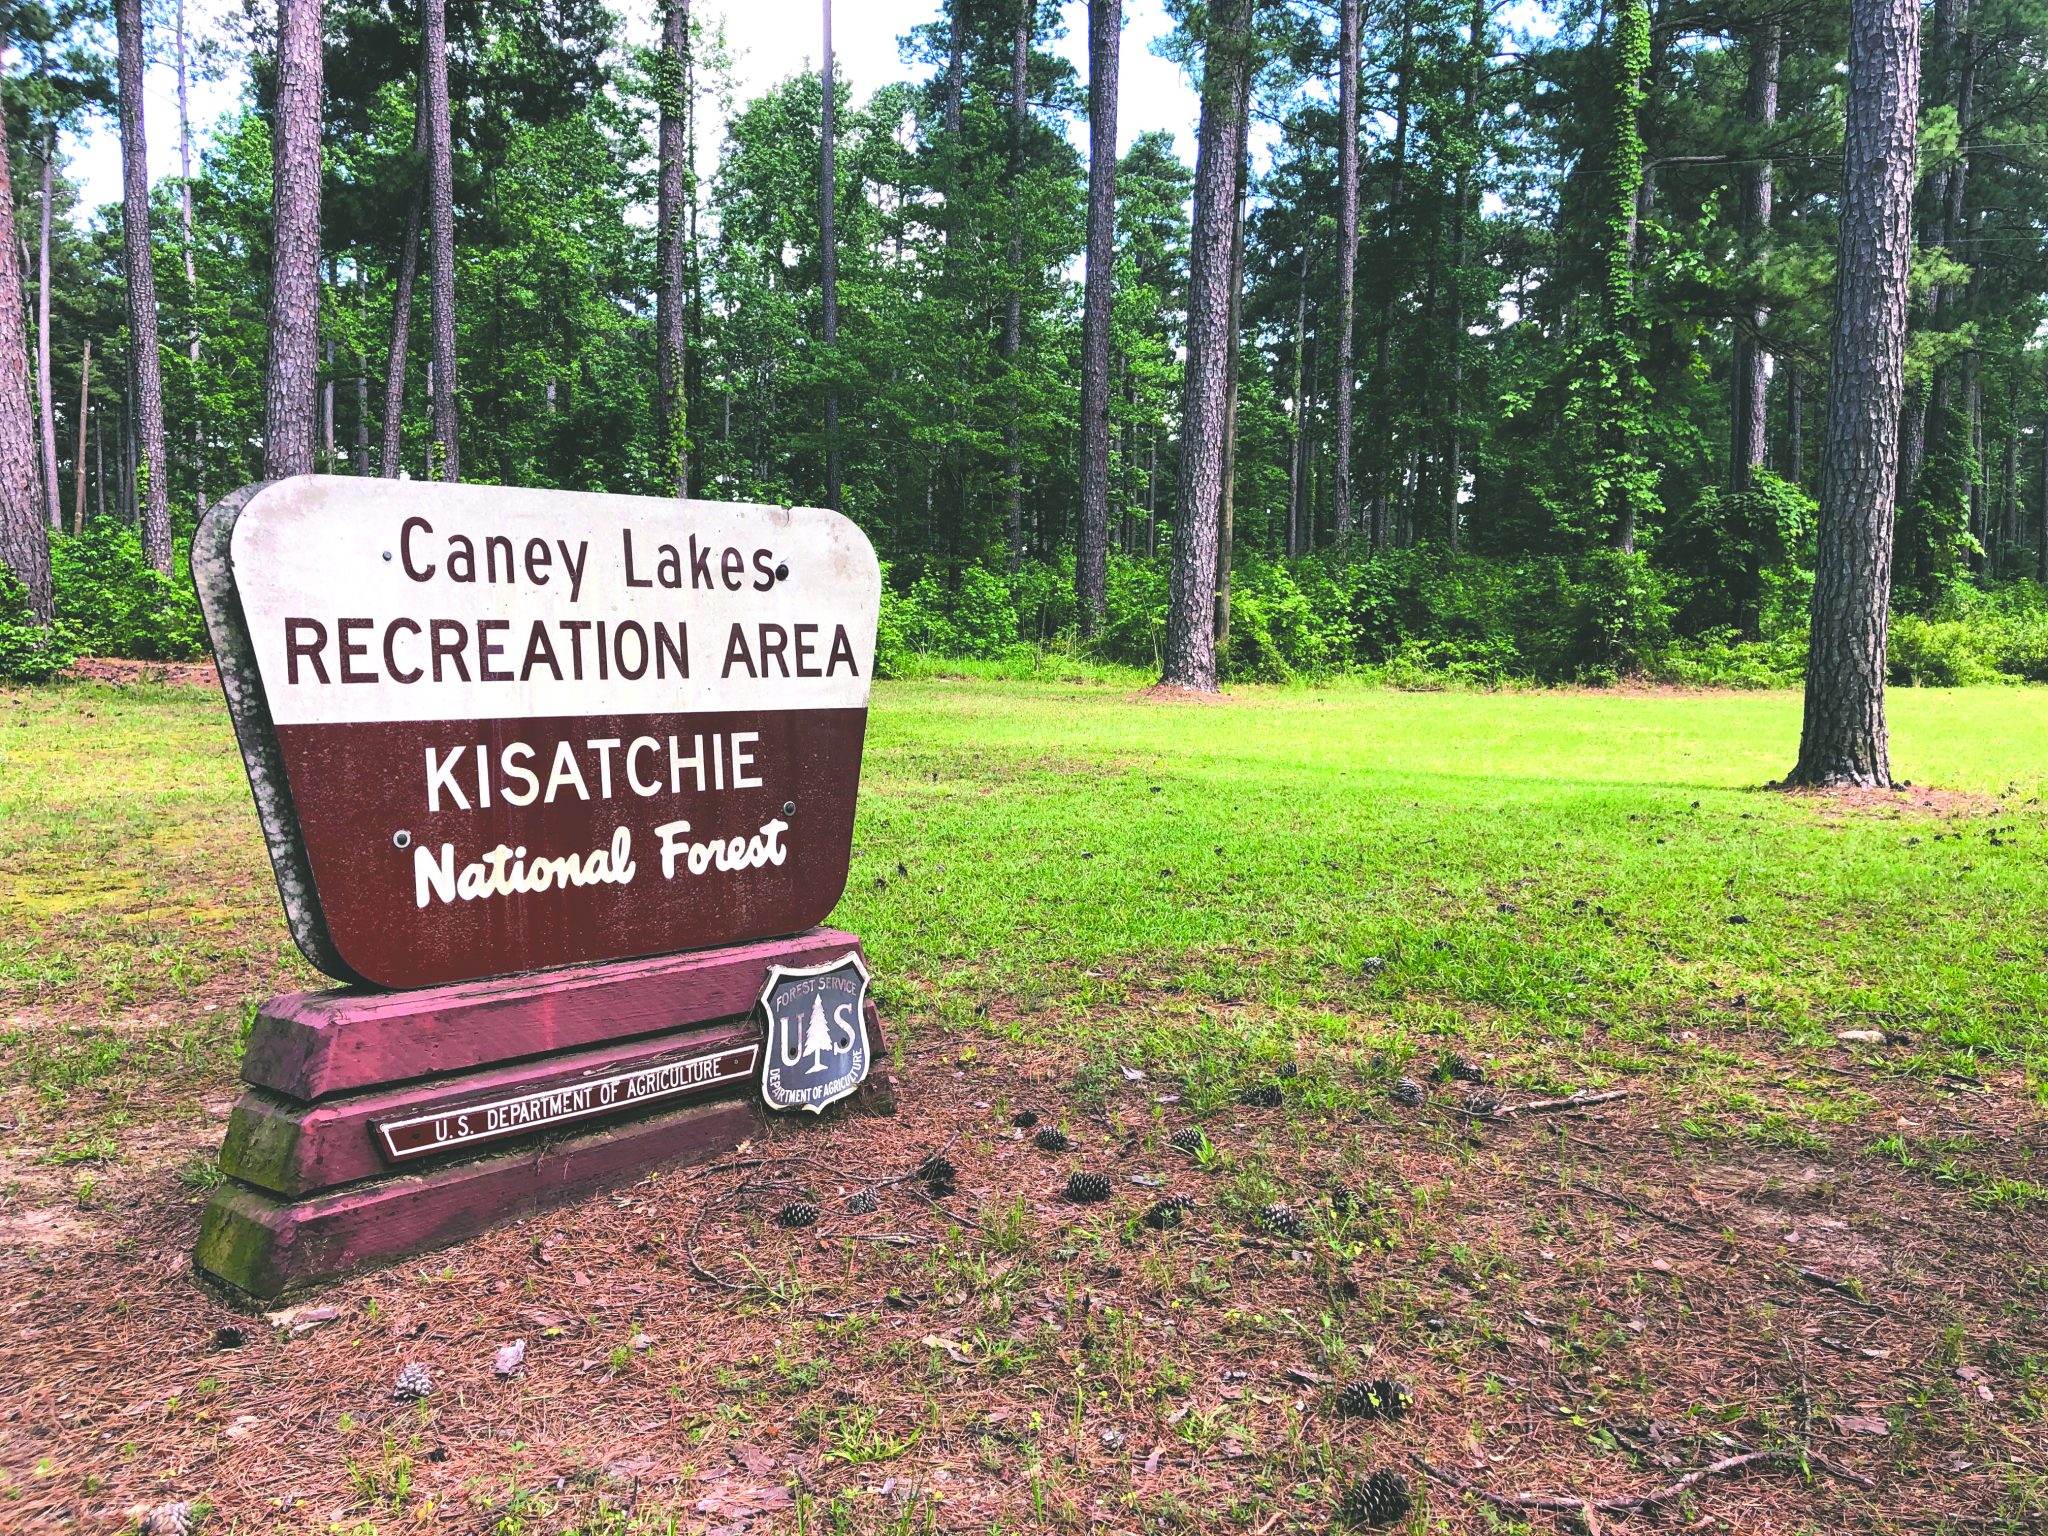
(956, 65)
(24, 528)
(1190, 660)
(145, 365)
(45, 408)
(390, 455)
(1760, 105)
(1295, 477)
(671, 365)
(1383, 360)
(828, 244)
(1843, 740)
(292, 391)
(191, 267)
(78, 464)
(1795, 425)
(1091, 562)
(1347, 249)
(2041, 549)
(440, 213)
(1013, 310)
(1226, 501)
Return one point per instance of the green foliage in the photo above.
(1734, 552)
(29, 652)
(1974, 636)
(110, 603)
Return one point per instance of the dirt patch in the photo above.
(1904, 800)
(112, 669)
(1582, 1303)
(1166, 693)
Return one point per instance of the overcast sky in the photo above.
(769, 39)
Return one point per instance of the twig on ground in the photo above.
(1639, 1209)
(1577, 1100)
(1566, 1504)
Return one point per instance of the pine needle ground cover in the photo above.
(1723, 1206)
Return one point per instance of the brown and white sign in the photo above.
(497, 730)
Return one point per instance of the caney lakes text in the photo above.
(322, 651)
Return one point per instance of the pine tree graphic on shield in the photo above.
(817, 1048)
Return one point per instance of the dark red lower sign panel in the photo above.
(445, 850)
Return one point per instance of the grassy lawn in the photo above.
(1121, 914)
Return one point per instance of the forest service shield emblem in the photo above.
(817, 1048)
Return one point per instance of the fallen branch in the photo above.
(1577, 1100)
(1565, 1504)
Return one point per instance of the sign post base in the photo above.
(378, 1125)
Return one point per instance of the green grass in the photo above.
(1538, 862)
(1524, 864)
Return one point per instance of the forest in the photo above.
(1526, 350)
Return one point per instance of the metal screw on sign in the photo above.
(782, 571)
(387, 554)
(789, 807)
(401, 839)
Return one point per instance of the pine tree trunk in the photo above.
(78, 463)
(1760, 105)
(146, 369)
(1347, 248)
(1844, 738)
(1795, 425)
(1226, 508)
(1091, 561)
(828, 245)
(24, 529)
(1013, 311)
(956, 66)
(2041, 549)
(1190, 660)
(45, 407)
(293, 393)
(391, 450)
(191, 267)
(671, 355)
(440, 211)
(1300, 436)
(1383, 359)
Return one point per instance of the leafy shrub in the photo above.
(1737, 546)
(29, 652)
(111, 603)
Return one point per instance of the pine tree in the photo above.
(1843, 740)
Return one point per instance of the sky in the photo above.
(768, 39)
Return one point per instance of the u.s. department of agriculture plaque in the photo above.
(817, 1047)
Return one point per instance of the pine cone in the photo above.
(1088, 1188)
(1051, 1140)
(1261, 1096)
(1382, 1398)
(1287, 1070)
(414, 1382)
(1168, 1211)
(1188, 1139)
(861, 1202)
(1024, 1119)
(1381, 1499)
(1460, 1069)
(168, 1520)
(1408, 1093)
(937, 1170)
(1283, 1221)
(1484, 1104)
(1342, 1201)
(798, 1213)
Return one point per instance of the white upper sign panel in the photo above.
(380, 600)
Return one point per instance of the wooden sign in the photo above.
(495, 730)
